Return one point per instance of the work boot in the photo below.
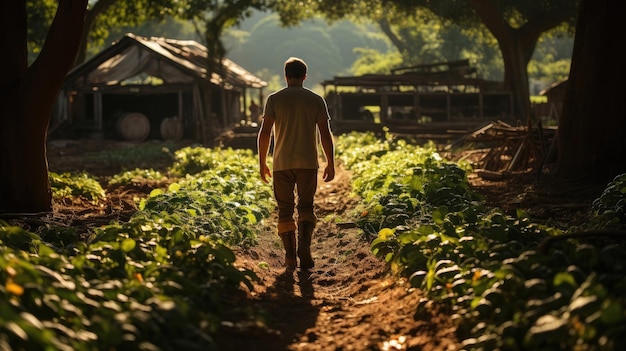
(289, 242)
(305, 232)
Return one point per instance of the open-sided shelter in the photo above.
(157, 88)
(428, 97)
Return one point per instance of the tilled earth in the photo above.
(348, 301)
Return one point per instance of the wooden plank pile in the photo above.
(497, 148)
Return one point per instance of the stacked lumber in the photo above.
(505, 149)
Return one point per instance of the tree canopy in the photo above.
(421, 32)
(516, 25)
(211, 17)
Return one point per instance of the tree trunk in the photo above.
(517, 46)
(516, 75)
(92, 14)
(27, 99)
(592, 146)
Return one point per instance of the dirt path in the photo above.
(347, 302)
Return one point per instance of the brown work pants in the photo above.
(286, 184)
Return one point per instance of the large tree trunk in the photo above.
(592, 127)
(27, 99)
(516, 52)
(517, 46)
(516, 59)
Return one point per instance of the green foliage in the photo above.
(139, 156)
(162, 280)
(356, 147)
(350, 34)
(107, 15)
(484, 264)
(166, 277)
(328, 49)
(351, 43)
(82, 184)
(551, 60)
(136, 176)
(372, 61)
(192, 160)
(168, 28)
(610, 207)
(40, 15)
(228, 210)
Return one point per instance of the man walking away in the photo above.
(298, 118)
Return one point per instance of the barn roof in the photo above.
(450, 73)
(173, 61)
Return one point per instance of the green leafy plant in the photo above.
(425, 222)
(136, 176)
(162, 280)
(192, 160)
(82, 184)
(610, 207)
(139, 155)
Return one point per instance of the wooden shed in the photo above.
(429, 97)
(154, 88)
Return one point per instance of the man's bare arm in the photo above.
(328, 145)
(263, 145)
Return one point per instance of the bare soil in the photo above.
(348, 301)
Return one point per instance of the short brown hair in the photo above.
(295, 68)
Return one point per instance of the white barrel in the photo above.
(172, 128)
(133, 126)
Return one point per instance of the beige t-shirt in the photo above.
(296, 111)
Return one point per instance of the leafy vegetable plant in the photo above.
(422, 218)
(165, 279)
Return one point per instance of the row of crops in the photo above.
(165, 278)
(506, 289)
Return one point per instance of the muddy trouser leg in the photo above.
(284, 185)
(306, 185)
